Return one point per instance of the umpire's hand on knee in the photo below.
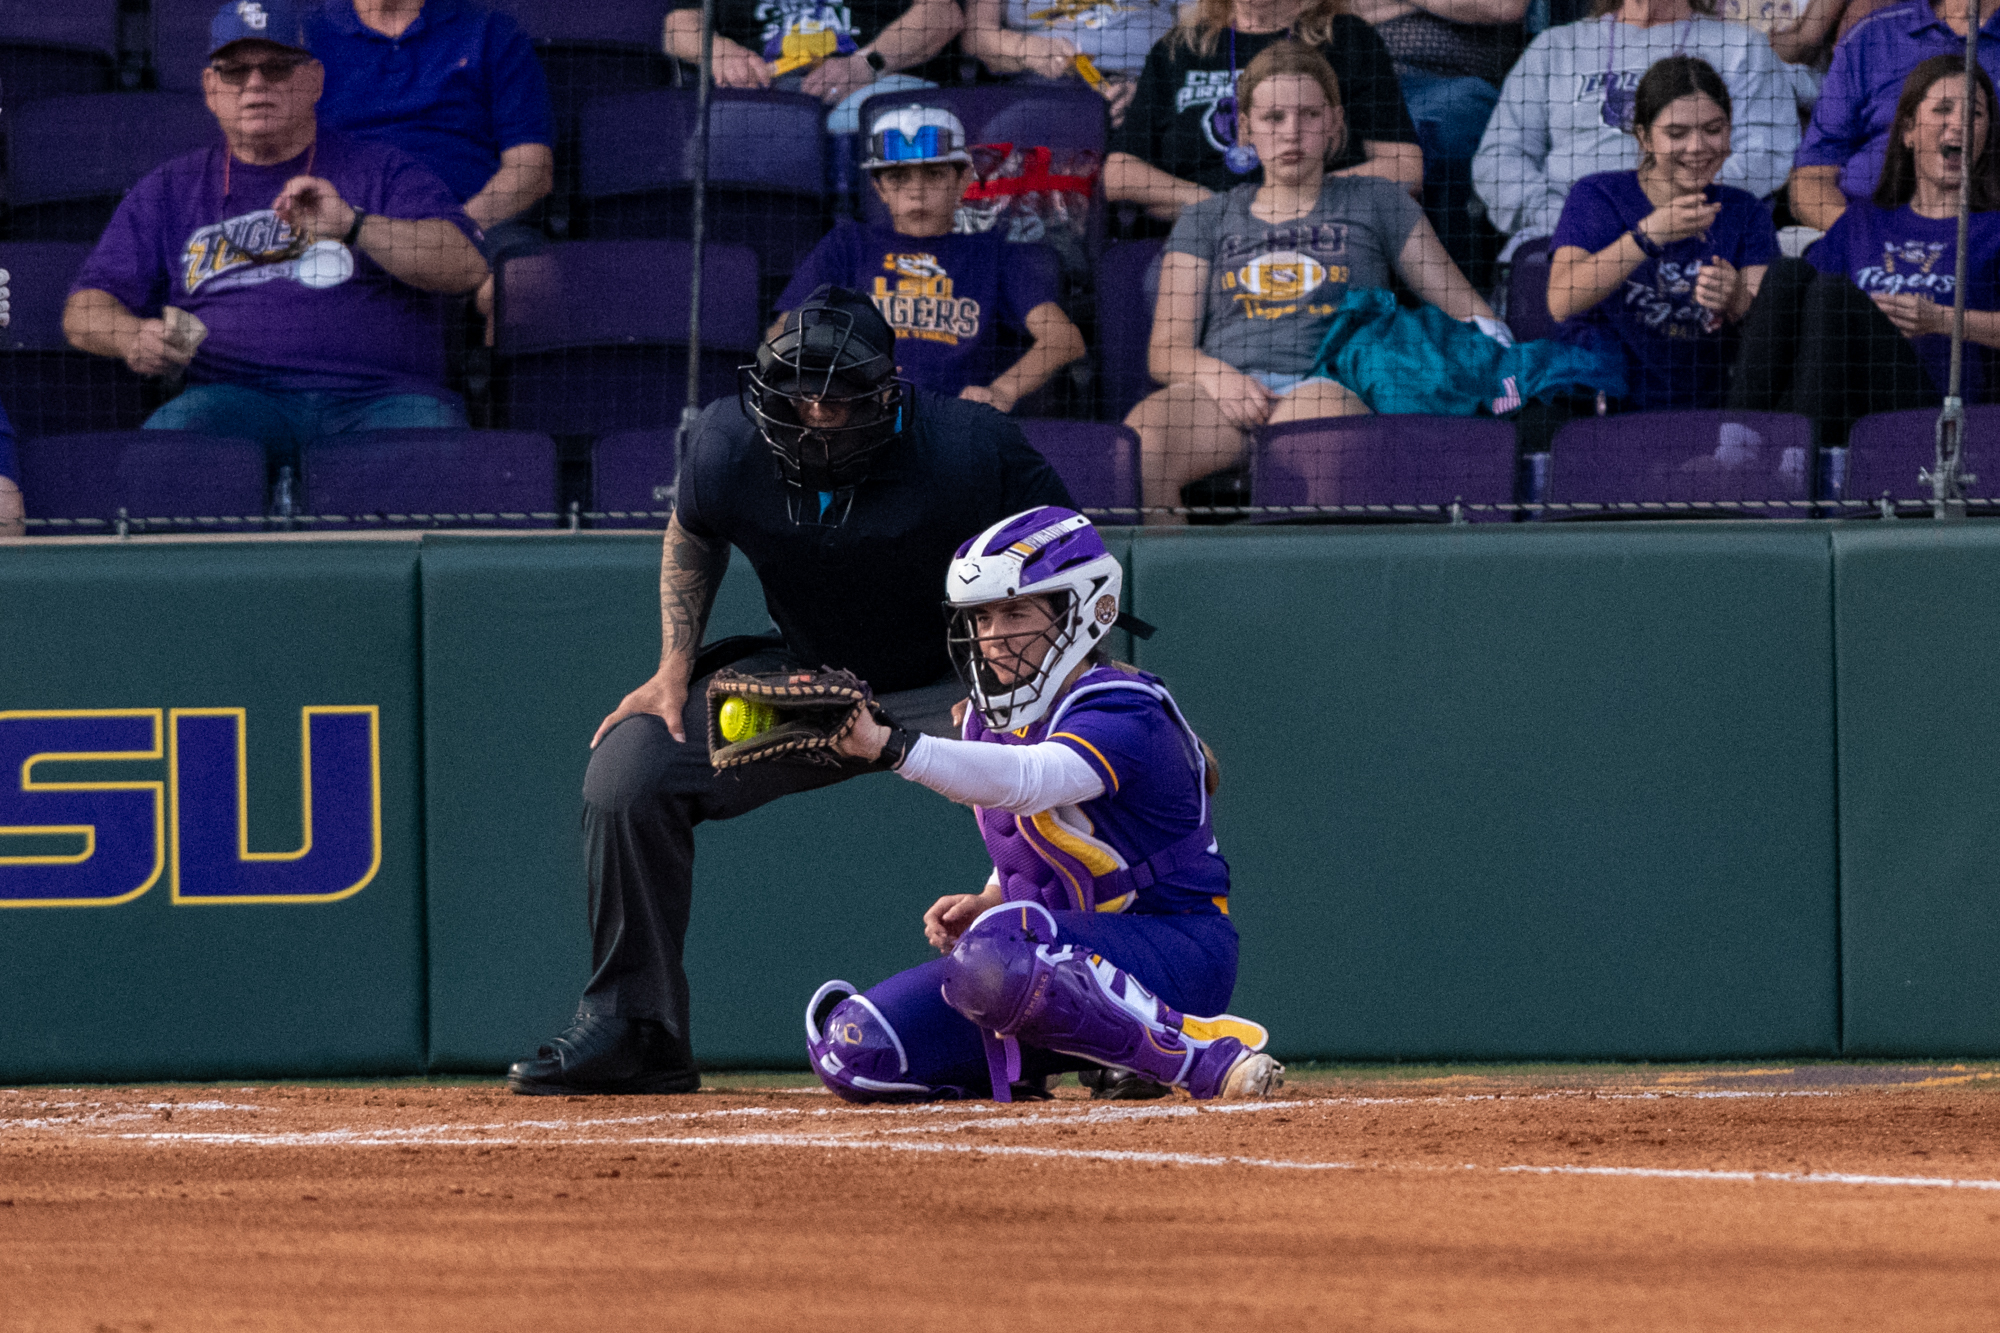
(663, 696)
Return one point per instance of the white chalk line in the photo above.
(376, 1139)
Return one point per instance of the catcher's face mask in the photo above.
(826, 400)
(1014, 640)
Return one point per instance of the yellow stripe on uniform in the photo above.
(1095, 858)
(1221, 905)
(1070, 735)
(1252, 1035)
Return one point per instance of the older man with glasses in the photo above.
(296, 279)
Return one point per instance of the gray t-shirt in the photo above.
(1273, 288)
(1115, 34)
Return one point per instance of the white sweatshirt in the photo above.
(1548, 131)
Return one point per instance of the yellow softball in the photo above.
(744, 718)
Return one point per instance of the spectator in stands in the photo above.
(1841, 159)
(840, 51)
(1251, 280)
(13, 512)
(1864, 325)
(945, 295)
(456, 87)
(1662, 260)
(1803, 35)
(1450, 58)
(1180, 143)
(1044, 38)
(311, 261)
(1565, 110)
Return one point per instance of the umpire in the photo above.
(848, 491)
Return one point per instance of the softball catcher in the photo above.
(1104, 930)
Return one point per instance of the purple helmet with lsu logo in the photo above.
(1050, 553)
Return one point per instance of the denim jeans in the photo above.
(1450, 115)
(284, 421)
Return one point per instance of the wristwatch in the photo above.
(875, 61)
(1647, 245)
(354, 232)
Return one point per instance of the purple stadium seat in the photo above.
(767, 171)
(1387, 461)
(1528, 293)
(56, 50)
(1887, 451)
(604, 22)
(385, 478)
(155, 476)
(1713, 462)
(70, 159)
(1099, 462)
(592, 335)
(48, 387)
(592, 48)
(632, 474)
(1125, 323)
(180, 42)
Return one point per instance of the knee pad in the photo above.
(856, 1052)
(1000, 964)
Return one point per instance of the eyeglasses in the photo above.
(236, 73)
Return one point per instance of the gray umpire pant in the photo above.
(643, 794)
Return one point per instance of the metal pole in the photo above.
(1947, 476)
(699, 152)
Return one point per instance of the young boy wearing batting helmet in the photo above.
(1104, 930)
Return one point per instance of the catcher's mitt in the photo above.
(798, 715)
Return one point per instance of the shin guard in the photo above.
(856, 1053)
(1010, 974)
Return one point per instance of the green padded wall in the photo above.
(1517, 792)
(528, 643)
(1919, 788)
(153, 988)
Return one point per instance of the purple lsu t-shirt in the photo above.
(945, 296)
(1677, 354)
(329, 320)
(1125, 725)
(1901, 251)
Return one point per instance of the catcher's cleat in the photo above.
(1254, 1075)
(605, 1056)
(1120, 1085)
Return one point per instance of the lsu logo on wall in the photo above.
(96, 843)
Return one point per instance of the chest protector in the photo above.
(1054, 857)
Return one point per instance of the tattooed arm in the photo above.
(690, 572)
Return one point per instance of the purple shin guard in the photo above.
(856, 1053)
(1011, 976)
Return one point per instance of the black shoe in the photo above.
(605, 1055)
(1120, 1085)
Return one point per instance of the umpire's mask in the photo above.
(825, 397)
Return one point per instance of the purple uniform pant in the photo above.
(1189, 962)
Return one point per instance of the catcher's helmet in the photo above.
(1047, 552)
(825, 396)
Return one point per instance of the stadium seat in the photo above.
(1125, 324)
(632, 476)
(591, 336)
(766, 172)
(57, 50)
(431, 478)
(1886, 453)
(47, 386)
(164, 480)
(1683, 464)
(71, 159)
(1528, 293)
(1098, 461)
(1406, 468)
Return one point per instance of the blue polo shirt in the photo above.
(458, 88)
(1857, 100)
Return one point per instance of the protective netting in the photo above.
(391, 263)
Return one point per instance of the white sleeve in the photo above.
(1020, 779)
(1510, 172)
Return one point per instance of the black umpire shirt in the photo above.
(866, 595)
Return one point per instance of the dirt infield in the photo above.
(1817, 1197)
